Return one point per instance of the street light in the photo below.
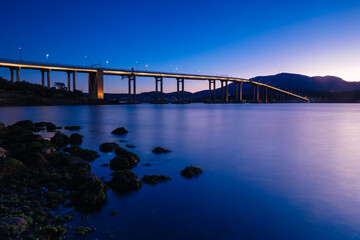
(107, 63)
(176, 69)
(47, 57)
(20, 53)
(146, 67)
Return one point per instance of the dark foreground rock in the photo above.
(9, 167)
(72, 128)
(124, 181)
(119, 131)
(159, 150)
(75, 139)
(154, 179)
(190, 171)
(86, 154)
(108, 147)
(124, 159)
(60, 139)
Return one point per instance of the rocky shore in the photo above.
(44, 181)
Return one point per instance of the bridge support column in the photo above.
(68, 78)
(157, 81)
(240, 92)
(96, 84)
(266, 95)
(18, 74)
(74, 82)
(226, 92)
(48, 79)
(42, 78)
(11, 74)
(236, 91)
(258, 93)
(212, 90)
(180, 80)
(222, 90)
(132, 79)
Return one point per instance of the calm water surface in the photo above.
(275, 171)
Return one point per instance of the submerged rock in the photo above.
(85, 154)
(158, 150)
(190, 171)
(72, 128)
(124, 159)
(10, 166)
(108, 147)
(119, 131)
(124, 180)
(60, 139)
(154, 179)
(75, 139)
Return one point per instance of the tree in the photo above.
(60, 86)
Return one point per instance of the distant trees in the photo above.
(60, 86)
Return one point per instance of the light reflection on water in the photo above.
(275, 171)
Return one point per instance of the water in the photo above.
(275, 171)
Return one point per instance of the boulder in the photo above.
(18, 134)
(154, 179)
(76, 139)
(72, 128)
(89, 196)
(85, 154)
(124, 159)
(119, 131)
(124, 181)
(190, 171)
(35, 159)
(3, 131)
(49, 152)
(159, 150)
(28, 124)
(108, 147)
(3, 153)
(48, 125)
(60, 139)
(10, 166)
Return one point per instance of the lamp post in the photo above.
(107, 62)
(20, 53)
(146, 67)
(176, 69)
(47, 58)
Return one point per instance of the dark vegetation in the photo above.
(43, 181)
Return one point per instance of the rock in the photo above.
(124, 181)
(108, 147)
(48, 125)
(49, 151)
(190, 171)
(129, 146)
(72, 128)
(124, 159)
(85, 154)
(18, 134)
(119, 131)
(159, 150)
(82, 231)
(35, 159)
(105, 165)
(2, 127)
(3, 152)
(75, 160)
(89, 196)
(154, 179)
(17, 149)
(3, 131)
(75, 139)
(10, 166)
(28, 124)
(60, 139)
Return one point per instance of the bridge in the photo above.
(96, 81)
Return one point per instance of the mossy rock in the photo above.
(154, 179)
(124, 181)
(120, 131)
(108, 147)
(86, 154)
(18, 134)
(76, 139)
(35, 159)
(28, 124)
(60, 139)
(190, 171)
(72, 128)
(159, 150)
(89, 196)
(124, 159)
(10, 166)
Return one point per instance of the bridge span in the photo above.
(96, 81)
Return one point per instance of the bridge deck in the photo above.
(8, 63)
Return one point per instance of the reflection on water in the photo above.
(283, 171)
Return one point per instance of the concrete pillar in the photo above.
(96, 84)
(132, 79)
(254, 93)
(258, 93)
(241, 95)
(178, 93)
(74, 82)
(236, 91)
(182, 89)
(11, 74)
(18, 74)
(42, 78)
(214, 90)
(68, 75)
(222, 91)
(266, 95)
(157, 81)
(209, 90)
(134, 82)
(48, 79)
(129, 84)
(226, 92)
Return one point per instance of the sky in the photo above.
(235, 38)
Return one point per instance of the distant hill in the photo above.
(302, 83)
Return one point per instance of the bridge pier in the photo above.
(159, 80)
(226, 92)
(96, 84)
(42, 78)
(132, 79)
(180, 80)
(68, 78)
(258, 94)
(212, 90)
(48, 79)
(222, 90)
(18, 74)
(74, 82)
(238, 91)
(11, 74)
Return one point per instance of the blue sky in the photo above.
(237, 38)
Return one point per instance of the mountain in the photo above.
(302, 83)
